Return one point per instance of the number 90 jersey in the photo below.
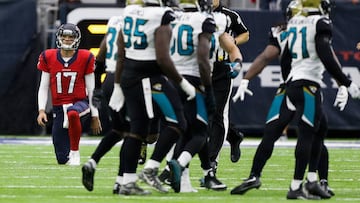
(140, 24)
(301, 31)
(114, 26)
(186, 30)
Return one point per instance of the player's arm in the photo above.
(203, 51)
(326, 53)
(227, 43)
(43, 97)
(238, 27)
(242, 38)
(270, 53)
(100, 63)
(90, 86)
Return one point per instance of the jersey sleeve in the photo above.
(90, 64)
(237, 24)
(42, 64)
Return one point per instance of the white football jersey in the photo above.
(139, 28)
(301, 42)
(221, 21)
(113, 28)
(186, 30)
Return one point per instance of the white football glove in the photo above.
(117, 98)
(354, 91)
(242, 89)
(341, 98)
(188, 89)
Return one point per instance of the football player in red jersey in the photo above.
(69, 72)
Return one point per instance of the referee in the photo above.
(222, 84)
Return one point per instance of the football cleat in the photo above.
(74, 158)
(175, 175)
(132, 189)
(314, 188)
(88, 172)
(116, 188)
(300, 194)
(247, 184)
(211, 182)
(325, 186)
(149, 176)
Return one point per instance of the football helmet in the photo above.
(68, 29)
(294, 8)
(200, 5)
(323, 6)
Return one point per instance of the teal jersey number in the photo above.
(110, 49)
(131, 30)
(294, 35)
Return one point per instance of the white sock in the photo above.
(93, 162)
(206, 171)
(312, 176)
(119, 179)
(129, 178)
(184, 158)
(295, 184)
(152, 164)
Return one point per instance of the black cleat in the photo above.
(132, 189)
(235, 137)
(88, 172)
(116, 188)
(325, 186)
(164, 177)
(247, 184)
(143, 153)
(211, 182)
(314, 188)
(300, 194)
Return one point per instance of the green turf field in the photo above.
(29, 173)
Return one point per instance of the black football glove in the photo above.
(98, 96)
(210, 100)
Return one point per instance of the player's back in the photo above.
(305, 64)
(114, 26)
(140, 24)
(187, 28)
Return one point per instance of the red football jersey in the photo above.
(67, 79)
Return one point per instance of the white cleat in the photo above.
(74, 158)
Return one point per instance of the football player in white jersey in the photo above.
(309, 43)
(279, 114)
(106, 62)
(192, 31)
(142, 77)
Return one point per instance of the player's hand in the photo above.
(235, 68)
(188, 89)
(242, 89)
(42, 118)
(98, 96)
(354, 91)
(210, 101)
(95, 125)
(117, 98)
(341, 98)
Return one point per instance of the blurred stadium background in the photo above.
(28, 27)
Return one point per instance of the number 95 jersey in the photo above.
(140, 24)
